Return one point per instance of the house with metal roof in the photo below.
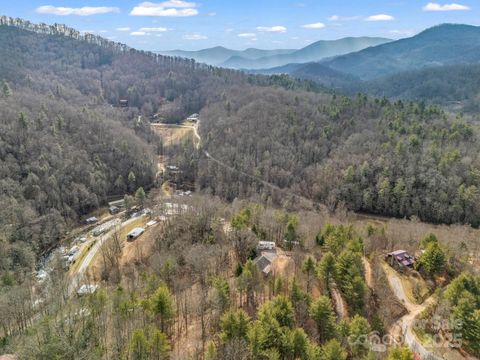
(400, 260)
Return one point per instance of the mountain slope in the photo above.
(313, 71)
(441, 45)
(314, 52)
(453, 85)
(219, 54)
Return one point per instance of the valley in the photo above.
(154, 207)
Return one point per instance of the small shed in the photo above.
(123, 103)
(400, 260)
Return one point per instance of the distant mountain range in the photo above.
(261, 59)
(314, 52)
(440, 64)
(445, 44)
(219, 54)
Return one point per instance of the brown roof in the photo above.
(402, 257)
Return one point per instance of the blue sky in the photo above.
(239, 24)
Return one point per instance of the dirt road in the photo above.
(368, 272)
(340, 306)
(404, 326)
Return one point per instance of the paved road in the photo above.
(79, 274)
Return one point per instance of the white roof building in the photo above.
(135, 233)
(87, 289)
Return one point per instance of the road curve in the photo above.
(405, 324)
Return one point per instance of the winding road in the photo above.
(274, 187)
(404, 326)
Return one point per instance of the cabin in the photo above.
(264, 262)
(266, 245)
(123, 103)
(400, 260)
(193, 117)
(135, 233)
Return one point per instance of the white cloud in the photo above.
(380, 17)
(445, 7)
(83, 11)
(212, 14)
(174, 8)
(103, 31)
(317, 25)
(278, 29)
(153, 29)
(247, 35)
(123, 29)
(195, 37)
(138, 33)
(342, 18)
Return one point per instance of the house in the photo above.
(123, 103)
(193, 117)
(264, 262)
(135, 233)
(400, 260)
(87, 289)
(117, 203)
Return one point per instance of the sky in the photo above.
(239, 24)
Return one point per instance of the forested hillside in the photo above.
(399, 159)
(451, 85)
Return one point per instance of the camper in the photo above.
(135, 233)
